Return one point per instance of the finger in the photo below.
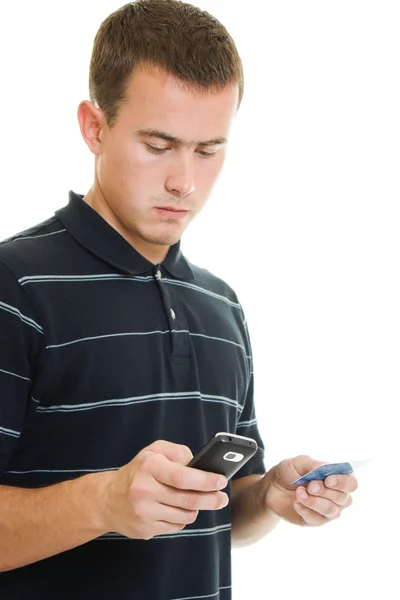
(308, 516)
(194, 500)
(177, 453)
(190, 500)
(343, 483)
(304, 464)
(154, 511)
(185, 478)
(317, 488)
(324, 507)
(176, 516)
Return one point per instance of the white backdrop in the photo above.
(303, 223)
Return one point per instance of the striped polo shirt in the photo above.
(102, 353)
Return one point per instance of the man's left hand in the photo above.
(316, 504)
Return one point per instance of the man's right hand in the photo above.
(157, 493)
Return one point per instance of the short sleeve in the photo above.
(22, 347)
(247, 424)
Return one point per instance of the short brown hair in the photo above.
(177, 37)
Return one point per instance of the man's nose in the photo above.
(181, 177)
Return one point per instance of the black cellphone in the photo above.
(225, 454)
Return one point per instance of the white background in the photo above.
(303, 223)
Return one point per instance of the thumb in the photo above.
(304, 464)
(177, 453)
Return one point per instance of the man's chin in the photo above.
(162, 240)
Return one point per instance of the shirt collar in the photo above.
(93, 232)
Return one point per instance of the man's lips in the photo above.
(172, 212)
(173, 208)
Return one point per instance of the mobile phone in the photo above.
(225, 454)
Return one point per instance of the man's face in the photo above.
(140, 174)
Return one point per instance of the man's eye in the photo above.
(202, 153)
(155, 150)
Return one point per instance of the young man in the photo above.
(119, 359)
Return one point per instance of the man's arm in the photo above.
(259, 501)
(38, 523)
(250, 520)
(155, 493)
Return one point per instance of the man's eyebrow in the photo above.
(178, 141)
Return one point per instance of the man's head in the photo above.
(158, 66)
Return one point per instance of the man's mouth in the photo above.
(172, 212)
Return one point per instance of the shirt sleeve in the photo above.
(247, 424)
(22, 347)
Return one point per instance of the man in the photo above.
(119, 359)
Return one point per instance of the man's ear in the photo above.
(91, 122)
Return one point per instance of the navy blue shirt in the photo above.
(102, 353)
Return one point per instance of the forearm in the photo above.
(38, 523)
(251, 519)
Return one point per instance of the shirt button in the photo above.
(173, 315)
(158, 274)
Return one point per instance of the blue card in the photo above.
(320, 473)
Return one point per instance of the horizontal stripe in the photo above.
(15, 375)
(143, 279)
(176, 534)
(14, 310)
(108, 335)
(141, 333)
(137, 400)
(210, 337)
(225, 587)
(230, 401)
(197, 532)
(197, 288)
(33, 237)
(10, 432)
(247, 423)
(62, 471)
(83, 278)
